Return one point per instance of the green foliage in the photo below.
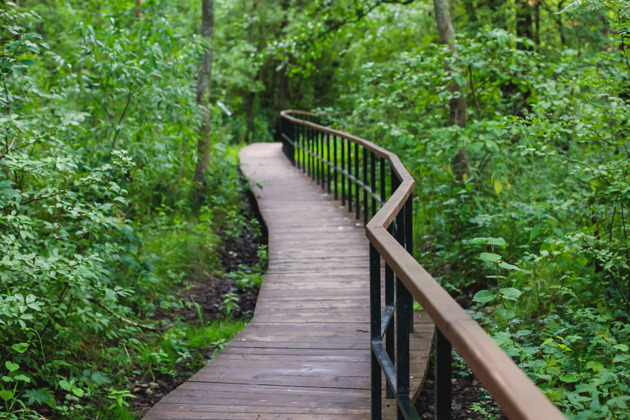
(98, 129)
(534, 236)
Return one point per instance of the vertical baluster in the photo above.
(373, 179)
(315, 176)
(306, 159)
(291, 135)
(335, 170)
(375, 329)
(301, 135)
(357, 210)
(390, 344)
(328, 163)
(443, 372)
(317, 153)
(350, 196)
(382, 177)
(365, 186)
(409, 242)
(403, 303)
(321, 160)
(310, 155)
(343, 169)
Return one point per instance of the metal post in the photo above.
(328, 162)
(350, 196)
(365, 184)
(343, 169)
(409, 242)
(373, 179)
(390, 344)
(317, 152)
(403, 303)
(357, 210)
(335, 168)
(383, 183)
(443, 371)
(375, 329)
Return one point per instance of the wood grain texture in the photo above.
(305, 354)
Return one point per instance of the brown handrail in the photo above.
(517, 396)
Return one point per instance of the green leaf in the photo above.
(484, 296)
(505, 314)
(569, 378)
(489, 257)
(6, 395)
(489, 241)
(100, 378)
(35, 397)
(20, 347)
(12, 367)
(23, 378)
(65, 385)
(510, 293)
(507, 266)
(78, 392)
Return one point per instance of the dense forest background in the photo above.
(513, 120)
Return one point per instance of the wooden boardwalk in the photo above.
(306, 352)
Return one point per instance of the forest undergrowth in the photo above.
(521, 202)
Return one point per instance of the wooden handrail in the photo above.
(517, 396)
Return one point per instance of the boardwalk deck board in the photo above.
(305, 354)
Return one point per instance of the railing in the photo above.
(374, 184)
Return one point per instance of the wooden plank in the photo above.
(306, 352)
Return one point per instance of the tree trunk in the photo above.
(203, 91)
(457, 105)
(524, 22)
(283, 80)
(252, 96)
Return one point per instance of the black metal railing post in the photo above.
(343, 169)
(408, 233)
(375, 330)
(403, 303)
(357, 209)
(328, 170)
(366, 211)
(350, 197)
(316, 153)
(335, 171)
(443, 373)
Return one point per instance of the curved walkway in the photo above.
(306, 352)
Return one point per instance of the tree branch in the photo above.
(363, 13)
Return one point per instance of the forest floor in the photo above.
(470, 399)
(208, 291)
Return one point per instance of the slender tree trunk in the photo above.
(457, 103)
(204, 78)
(524, 23)
(537, 22)
(283, 80)
(138, 11)
(252, 95)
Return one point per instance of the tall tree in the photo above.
(204, 78)
(457, 105)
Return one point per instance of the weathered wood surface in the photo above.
(305, 354)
